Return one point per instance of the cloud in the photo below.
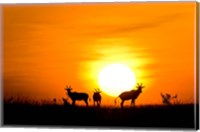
(145, 25)
(114, 29)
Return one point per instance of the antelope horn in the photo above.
(99, 90)
(66, 87)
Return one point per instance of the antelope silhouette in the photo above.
(66, 103)
(130, 95)
(97, 97)
(77, 96)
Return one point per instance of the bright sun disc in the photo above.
(116, 78)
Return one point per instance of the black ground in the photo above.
(173, 117)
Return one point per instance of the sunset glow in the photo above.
(46, 47)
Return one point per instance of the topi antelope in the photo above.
(130, 95)
(97, 97)
(76, 96)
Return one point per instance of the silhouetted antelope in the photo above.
(97, 97)
(66, 103)
(130, 95)
(77, 96)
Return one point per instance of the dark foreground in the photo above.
(173, 117)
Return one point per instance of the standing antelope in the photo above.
(97, 97)
(76, 96)
(130, 95)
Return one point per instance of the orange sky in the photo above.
(49, 46)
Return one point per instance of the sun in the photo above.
(116, 78)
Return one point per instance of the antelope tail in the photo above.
(116, 100)
(89, 99)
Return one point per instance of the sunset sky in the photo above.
(49, 46)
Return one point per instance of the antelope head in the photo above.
(68, 88)
(140, 86)
(97, 90)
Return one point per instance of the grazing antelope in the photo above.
(130, 95)
(76, 96)
(66, 103)
(97, 97)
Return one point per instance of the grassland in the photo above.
(152, 116)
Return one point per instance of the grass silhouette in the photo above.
(149, 116)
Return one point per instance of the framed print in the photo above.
(113, 65)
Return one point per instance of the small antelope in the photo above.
(130, 95)
(77, 96)
(66, 103)
(97, 97)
